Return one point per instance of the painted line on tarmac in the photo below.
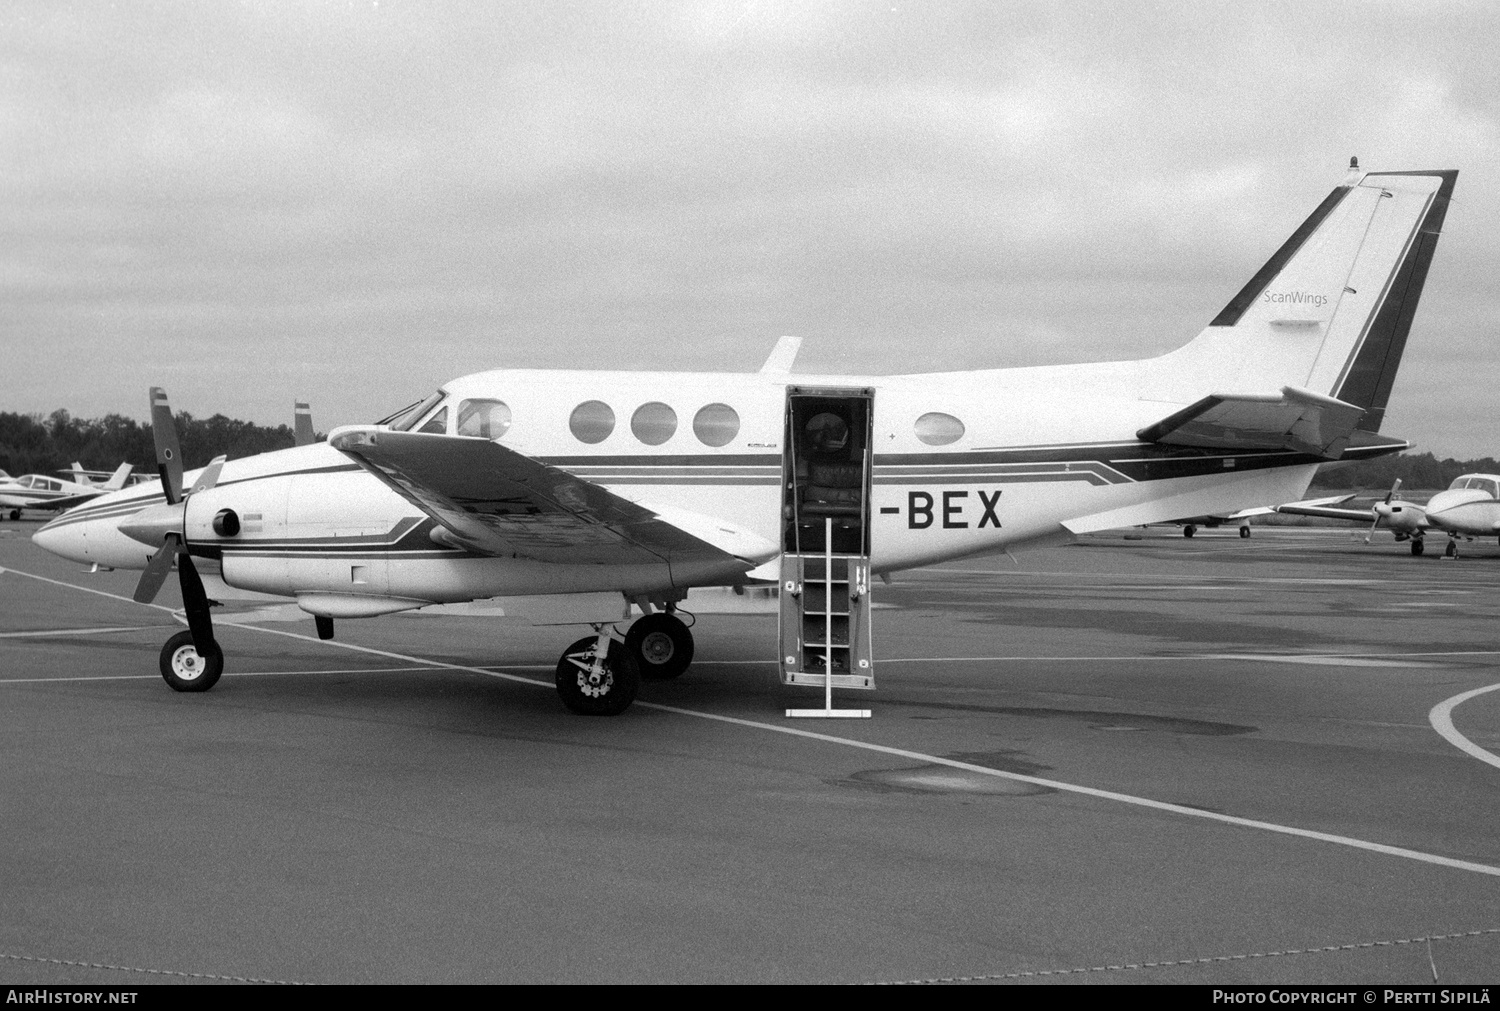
(1330, 659)
(1087, 791)
(228, 674)
(917, 756)
(63, 632)
(1441, 719)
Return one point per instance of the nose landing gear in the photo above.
(188, 670)
(598, 676)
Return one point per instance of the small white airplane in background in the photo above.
(630, 488)
(38, 491)
(1469, 507)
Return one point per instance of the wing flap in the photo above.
(1294, 419)
(495, 501)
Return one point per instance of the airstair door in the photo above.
(827, 460)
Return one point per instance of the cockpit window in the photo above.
(409, 415)
(487, 419)
(437, 424)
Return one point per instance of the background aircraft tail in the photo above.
(1331, 310)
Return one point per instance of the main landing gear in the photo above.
(1416, 546)
(1188, 530)
(661, 644)
(599, 674)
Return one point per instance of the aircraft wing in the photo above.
(1325, 507)
(1293, 419)
(63, 502)
(496, 501)
(69, 501)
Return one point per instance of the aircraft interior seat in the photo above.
(833, 489)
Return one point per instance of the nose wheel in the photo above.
(187, 670)
(597, 676)
(661, 644)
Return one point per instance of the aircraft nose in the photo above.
(62, 538)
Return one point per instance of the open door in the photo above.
(825, 564)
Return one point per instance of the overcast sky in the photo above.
(354, 202)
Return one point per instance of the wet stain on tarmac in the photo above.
(947, 779)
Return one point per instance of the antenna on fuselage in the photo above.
(782, 356)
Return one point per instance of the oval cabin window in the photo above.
(716, 425)
(653, 423)
(592, 421)
(938, 429)
(487, 419)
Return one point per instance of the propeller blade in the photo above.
(157, 569)
(195, 602)
(210, 475)
(168, 453)
(1392, 493)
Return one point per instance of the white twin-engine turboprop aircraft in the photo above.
(643, 484)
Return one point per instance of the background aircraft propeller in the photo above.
(1381, 514)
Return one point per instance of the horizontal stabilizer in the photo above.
(1295, 419)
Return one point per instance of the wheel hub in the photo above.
(187, 664)
(657, 648)
(594, 678)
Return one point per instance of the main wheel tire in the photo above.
(187, 670)
(1189, 530)
(15, 514)
(661, 644)
(1416, 545)
(1244, 532)
(608, 693)
(1451, 551)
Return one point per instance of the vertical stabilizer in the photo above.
(302, 422)
(1331, 309)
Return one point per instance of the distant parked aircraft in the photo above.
(1190, 524)
(1470, 507)
(38, 491)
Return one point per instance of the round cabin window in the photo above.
(938, 429)
(716, 425)
(592, 421)
(653, 423)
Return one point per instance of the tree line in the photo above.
(1417, 471)
(31, 444)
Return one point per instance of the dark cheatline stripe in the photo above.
(1231, 313)
(1368, 380)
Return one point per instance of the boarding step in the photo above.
(825, 620)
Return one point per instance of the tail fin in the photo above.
(302, 424)
(1331, 310)
(117, 479)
